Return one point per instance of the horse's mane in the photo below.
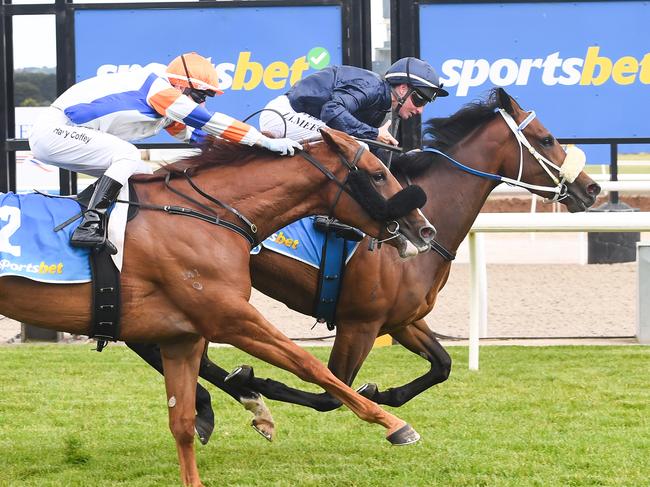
(214, 152)
(444, 133)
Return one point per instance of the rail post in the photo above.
(643, 297)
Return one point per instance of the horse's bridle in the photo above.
(574, 161)
(573, 164)
(392, 227)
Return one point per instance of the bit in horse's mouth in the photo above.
(578, 205)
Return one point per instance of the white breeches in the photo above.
(56, 140)
(300, 126)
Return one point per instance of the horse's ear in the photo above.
(327, 137)
(505, 101)
(336, 140)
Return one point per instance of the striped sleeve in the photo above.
(178, 130)
(171, 103)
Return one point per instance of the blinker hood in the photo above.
(378, 207)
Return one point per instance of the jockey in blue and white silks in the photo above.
(88, 129)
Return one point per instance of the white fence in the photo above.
(531, 222)
(637, 186)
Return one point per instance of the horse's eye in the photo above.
(548, 141)
(379, 177)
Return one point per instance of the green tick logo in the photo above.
(318, 57)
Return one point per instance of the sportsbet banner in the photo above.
(259, 52)
(583, 67)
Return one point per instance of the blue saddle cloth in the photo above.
(301, 241)
(29, 246)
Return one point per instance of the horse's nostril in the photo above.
(427, 233)
(593, 189)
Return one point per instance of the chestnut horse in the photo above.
(382, 294)
(185, 281)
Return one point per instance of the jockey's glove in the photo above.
(285, 147)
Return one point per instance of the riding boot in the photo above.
(93, 229)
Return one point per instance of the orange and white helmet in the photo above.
(193, 71)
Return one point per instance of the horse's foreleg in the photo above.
(244, 327)
(181, 367)
(419, 339)
(351, 346)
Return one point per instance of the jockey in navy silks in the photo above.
(353, 100)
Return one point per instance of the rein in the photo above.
(352, 166)
(251, 226)
(183, 211)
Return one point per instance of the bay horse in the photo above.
(382, 294)
(186, 282)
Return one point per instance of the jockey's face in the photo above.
(408, 108)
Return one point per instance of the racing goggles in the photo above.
(419, 99)
(198, 96)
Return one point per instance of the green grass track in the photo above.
(532, 416)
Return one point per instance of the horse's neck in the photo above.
(270, 193)
(455, 199)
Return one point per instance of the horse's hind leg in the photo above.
(181, 366)
(262, 419)
(204, 421)
(419, 339)
(241, 325)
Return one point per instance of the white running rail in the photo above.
(531, 222)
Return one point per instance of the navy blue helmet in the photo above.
(417, 74)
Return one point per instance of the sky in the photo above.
(34, 36)
(29, 52)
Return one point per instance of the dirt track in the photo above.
(549, 300)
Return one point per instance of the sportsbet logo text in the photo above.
(594, 70)
(42, 268)
(247, 73)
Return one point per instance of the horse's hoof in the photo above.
(258, 427)
(204, 429)
(368, 390)
(406, 435)
(242, 375)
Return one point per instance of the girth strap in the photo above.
(105, 324)
(330, 274)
